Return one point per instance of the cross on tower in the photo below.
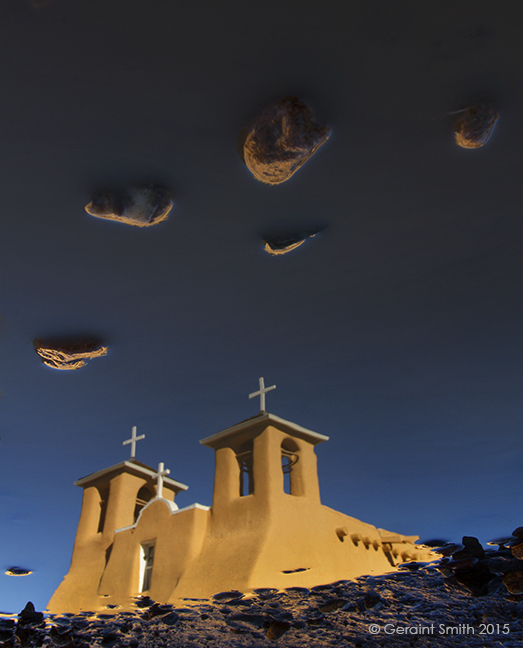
(261, 393)
(133, 441)
(159, 479)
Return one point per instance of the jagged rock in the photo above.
(473, 547)
(68, 356)
(474, 127)
(140, 206)
(28, 615)
(280, 139)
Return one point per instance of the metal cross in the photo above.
(261, 393)
(159, 478)
(133, 441)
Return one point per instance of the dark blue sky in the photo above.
(396, 331)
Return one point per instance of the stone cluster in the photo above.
(461, 611)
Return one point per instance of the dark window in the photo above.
(144, 495)
(245, 462)
(104, 496)
(289, 458)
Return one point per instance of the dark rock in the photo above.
(517, 550)
(171, 619)
(411, 566)
(143, 602)
(227, 596)
(140, 206)
(278, 244)
(449, 548)
(332, 604)
(474, 127)
(518, 533)
(62, 639)
(281, 139)
(17, 571)
(277, 629)
(476, 579)
(513, 581)
(28, 615)
(473, 546)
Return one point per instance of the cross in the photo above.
(159, 479)
(261, 393)
(133, 441)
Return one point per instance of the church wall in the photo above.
(177, 537)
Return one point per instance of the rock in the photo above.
(474, 127)
(473, 547)
(475, 579)
(513, 581)
(281, 139)
(449, 548)
(517, 550)
(227, 596)
(518, 533)
(140, 206)
(283, 243)
(332, 604)
(28, 615)
(68, 356)
(17, 571)
(277, 629)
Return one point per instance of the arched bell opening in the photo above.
(245, 463)
(144, 495)
(290, 456)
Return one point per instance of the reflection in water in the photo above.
(474, 127)
(140, 206)
(17, 571)
(280, 139)
(67, 355)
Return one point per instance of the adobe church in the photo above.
(265, 528)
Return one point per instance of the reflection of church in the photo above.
(266, 527)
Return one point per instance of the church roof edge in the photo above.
(313, 437)
(134, 466)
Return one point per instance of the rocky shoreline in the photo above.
(461, 600)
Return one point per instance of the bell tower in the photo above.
(112, 500)
(262, 462)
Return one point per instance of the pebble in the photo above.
(474, 127)
(139, 206)
(281, 139)
(335, 614)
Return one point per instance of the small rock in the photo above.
(28, 615)
(449, 548)
(473, 546)
(140, 206)
(475, 579)
(68, 356)
(474, 127)
(513, 581)
(17, 571)
(276, 630)
(281, 139)
(227, 596)
(517, 550)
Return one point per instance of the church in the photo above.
(266, 526)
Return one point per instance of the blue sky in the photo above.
(396, 331)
